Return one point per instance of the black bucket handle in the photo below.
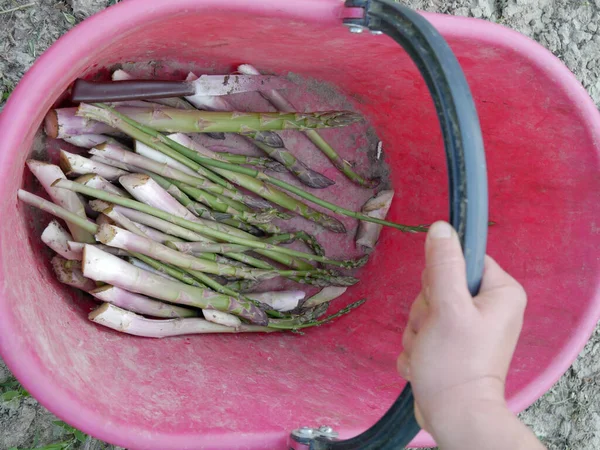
(466, 173)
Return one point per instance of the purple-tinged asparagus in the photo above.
(325, 295)
(204, 228)
(126, 223)
(127, 322)
(368, 232)
(46, 175)
(97, 182)
(148, 152)
(272, 194)
(279, 300)
(282, 104)
(62, 123)
(89, 140)
(70, 274)
(101, 266)
(268, 142)
(141, 304)
(74, 165)
(57, 238)
(126, 240)
(113, 163)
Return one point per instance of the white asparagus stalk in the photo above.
(225, 319)
(141, 304)
(126, 240)
(137, 160)
(62, 122)
(121, 75)
(57, 238)
(196, 248)
(325, 295)
(97, 182)
(368, 233)
(109, 162)
(126, 223)
(69, 272)
(279, 300)
(155, 155)
(142, 265)
(102, 266)
(74, 165)
(89, 140)
(127, 322)
(146, 190)
(48, 174)
(77, 249)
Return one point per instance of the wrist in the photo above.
(451, 410)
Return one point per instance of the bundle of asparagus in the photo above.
(183, 234)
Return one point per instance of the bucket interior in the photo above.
(253, 389)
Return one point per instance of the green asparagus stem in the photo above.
(305, 174)
(297, 323)
(126, 240)
(252, 183)
(200, 227)
(188, 121)
(255, 174)
(310, 241)
(282, 104)
(184, 233)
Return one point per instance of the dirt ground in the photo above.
(567, 417)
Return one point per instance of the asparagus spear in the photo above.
(97, 182)
(274, 195)
(127, 322)
(145, 134)
(201, 227)
(140, 304)
(73, 164)
(279, 300)
(126, 240)
(46, 175)
(270, 143)
(367, 234)
(185, 151)
(325, 295)
(187, 121)
(89, 140)
(61, 123)
(57, 238)
(172, 102)
(282, 104)
(101, 266)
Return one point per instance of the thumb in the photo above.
(445, 267)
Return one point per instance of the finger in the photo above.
(408, 339)
(403, 366)
(495, 276)
(418, 313)
(445, 280)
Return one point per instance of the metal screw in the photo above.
(356, 30)
(325, 429)
(376, 32)
(306, 432)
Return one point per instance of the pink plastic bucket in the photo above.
(542, 134)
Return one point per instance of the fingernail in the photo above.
(440, 230)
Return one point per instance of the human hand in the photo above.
(457, 348)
